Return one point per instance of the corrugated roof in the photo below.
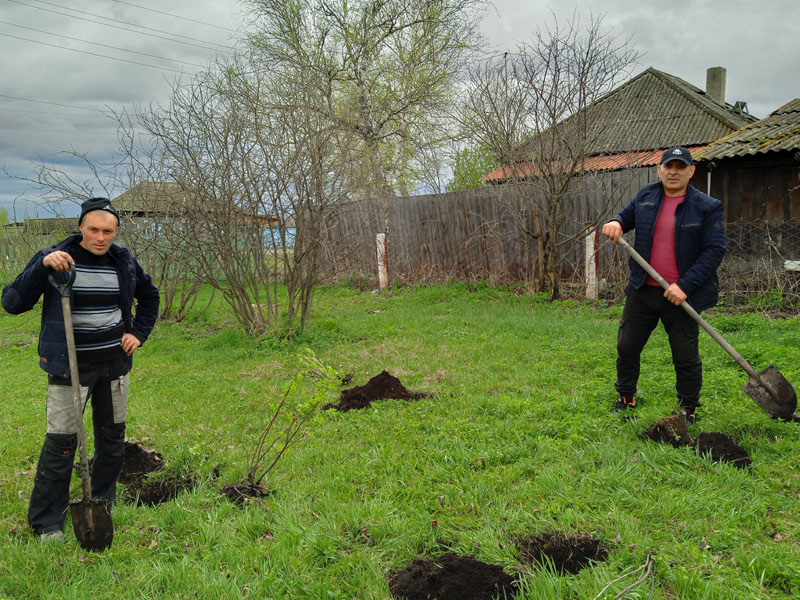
(650, 113)
(780, 131)
(657, 110)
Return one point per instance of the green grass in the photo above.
(516, 440)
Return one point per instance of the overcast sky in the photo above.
(57, 80)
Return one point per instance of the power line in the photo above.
(101, 45)
(125, 60)
(44, 112)
(161, 12)
(49, 131)
(81, 12)
(53, 103)
(122, 28)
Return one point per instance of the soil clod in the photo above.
(157, 492)
(563, 552)
(382, 386)
(138, 462)
(451, 577)
(670, 430)
(722, 448)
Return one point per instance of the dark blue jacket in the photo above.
(24, 292)
(699, 240)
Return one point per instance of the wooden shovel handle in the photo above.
(64, 291)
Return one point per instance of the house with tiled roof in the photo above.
(633, 124)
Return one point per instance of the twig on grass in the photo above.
(646, 571)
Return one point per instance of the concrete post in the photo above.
(592, 290)
(383, 262)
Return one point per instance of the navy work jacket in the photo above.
(699, 240)
(24, 292)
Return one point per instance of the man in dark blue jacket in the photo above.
(679, 231)
(108, 279)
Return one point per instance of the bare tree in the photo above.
(538, 110)
(249, 150)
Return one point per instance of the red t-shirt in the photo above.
(662, 254)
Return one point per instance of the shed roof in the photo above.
(780, 131)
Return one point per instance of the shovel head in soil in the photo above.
(91, 521)
(772, 392)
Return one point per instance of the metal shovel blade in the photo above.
(772, 392)
(91, 521)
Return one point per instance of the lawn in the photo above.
(516, 439)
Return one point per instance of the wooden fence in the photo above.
(470, 234)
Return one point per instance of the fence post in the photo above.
(383, 262)
(591, 266)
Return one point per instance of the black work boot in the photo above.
(624, 403)
(688, 408)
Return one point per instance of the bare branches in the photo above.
(539, 111)
(270, 447)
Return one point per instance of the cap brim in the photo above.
(680, 158)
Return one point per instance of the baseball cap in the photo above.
(677, 153)
(97, 204)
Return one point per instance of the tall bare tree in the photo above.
(537, 110)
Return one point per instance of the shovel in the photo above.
(91, 519)
(769, 388)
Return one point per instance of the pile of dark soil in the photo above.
(723, 448)
(670, 430)
(153, 493)
(563, 552)
(138, 462)
(239, 493)
(381, 386)
(451, 577)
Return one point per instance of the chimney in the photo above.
(715, 84)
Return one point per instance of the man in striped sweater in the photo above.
(108, 279)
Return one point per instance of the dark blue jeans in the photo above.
(103, 382)
(644, 308)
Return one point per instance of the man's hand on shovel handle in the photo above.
(612, 230)
(58, 261)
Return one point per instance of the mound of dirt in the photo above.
(722, 448)
(157, 492)
(451, 577)
(138, 461)
(669, 430)
(238, 493)
(566, 553)
(673, 431)
(380, 387)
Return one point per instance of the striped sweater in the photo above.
(96, 313)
